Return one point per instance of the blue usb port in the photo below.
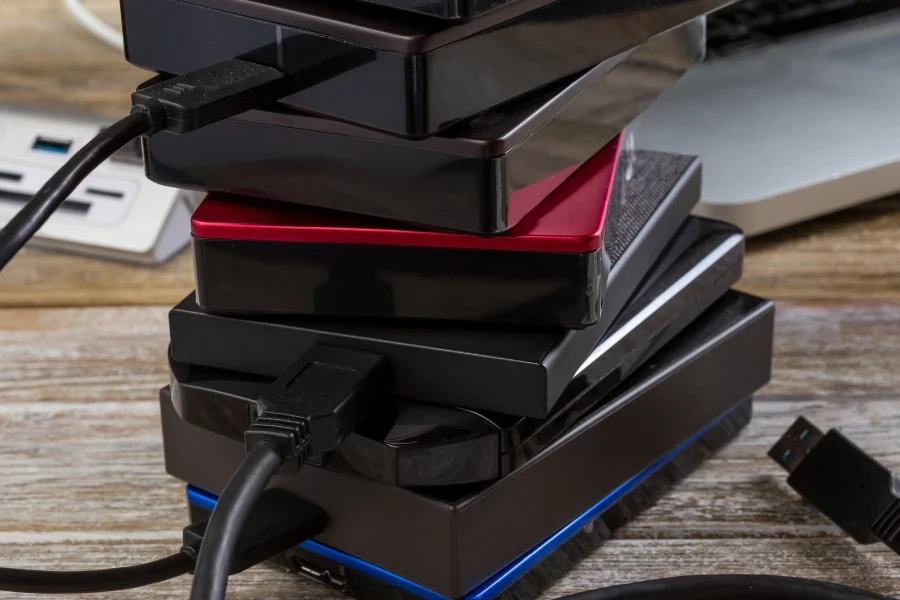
(54, 145)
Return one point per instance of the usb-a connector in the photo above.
(848, 486)
(795, 444)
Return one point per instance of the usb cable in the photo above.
(309, 410)
(179, 105)
(842, 481)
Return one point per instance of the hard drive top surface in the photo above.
(409, 33)
(515, 343)
(571, 219)
(492, 133)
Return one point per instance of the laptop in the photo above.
(794, 113)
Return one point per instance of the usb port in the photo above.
(54, 145)
(105, 193)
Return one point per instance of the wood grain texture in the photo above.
(847, 255)
(82, 352)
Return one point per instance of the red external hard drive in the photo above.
(550, 270)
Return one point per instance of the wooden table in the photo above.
(82, 355)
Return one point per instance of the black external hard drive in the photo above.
(533, 574)
(454, 541)
(400, 73)
(549, 270)
(518, 371)
(481, 176)
(417, 444)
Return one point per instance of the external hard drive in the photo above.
(400, 73)
(528, 577)
(551, 269)
(511, 370)
(416, 444)
(474, 541)
(481, 176)
(537, 569)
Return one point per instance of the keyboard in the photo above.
(749, 24)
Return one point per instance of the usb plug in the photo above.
(842, 481)
(317, 403)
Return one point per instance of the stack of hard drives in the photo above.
(455, 190)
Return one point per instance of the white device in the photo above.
(789, 131)
(115, 213)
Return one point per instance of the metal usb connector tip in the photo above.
(795, 444)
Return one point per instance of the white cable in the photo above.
(93, 24)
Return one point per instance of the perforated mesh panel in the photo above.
(643, 180)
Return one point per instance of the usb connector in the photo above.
(188, 102)
(317, 403)
(311, 408)
(795, 444)
(855, 491)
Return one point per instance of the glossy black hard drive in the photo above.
(481, 176)
(400, 73)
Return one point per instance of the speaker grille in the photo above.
(643, 181)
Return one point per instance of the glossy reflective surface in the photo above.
(402, 443)
(408, 76)
(543, 289)
(571, 220)
(416, 444)
(512, 370)
(672, 296)
(550, 270)
(481, 176)
(548, 561)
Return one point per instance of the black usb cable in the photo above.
(855, 491)
(179, 105)
(310, 409)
